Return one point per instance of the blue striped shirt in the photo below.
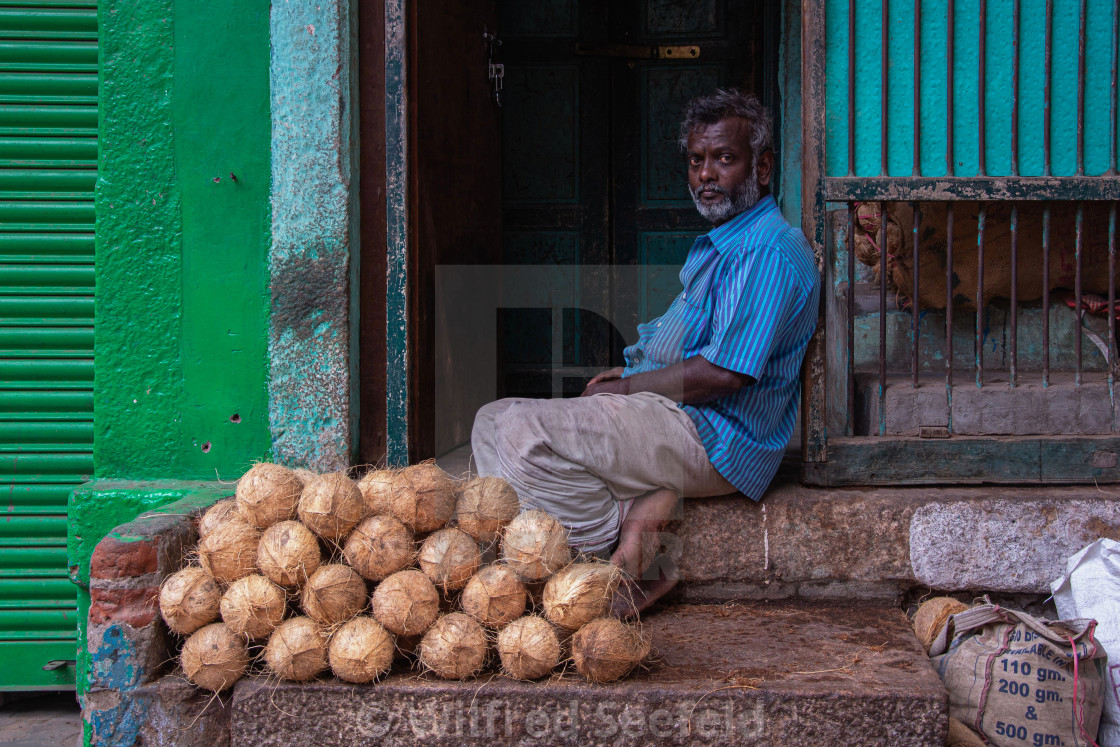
(749, 304)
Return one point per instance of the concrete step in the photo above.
(754, 674)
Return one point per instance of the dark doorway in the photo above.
(591, 172)
(577, 170)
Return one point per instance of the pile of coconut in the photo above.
(300, 573)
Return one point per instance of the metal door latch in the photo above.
(495, 71)
(50, 666)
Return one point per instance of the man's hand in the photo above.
(608, 381)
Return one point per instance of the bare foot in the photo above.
(639, 542)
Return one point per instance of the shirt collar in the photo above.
(728, 236)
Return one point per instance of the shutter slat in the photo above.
(34, 499)
(20, 531)
(53, 593)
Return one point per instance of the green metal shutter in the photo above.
(48, 166)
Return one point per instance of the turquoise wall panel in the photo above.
(999, 56)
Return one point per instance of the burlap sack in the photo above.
(932, 243)
(1016, 680)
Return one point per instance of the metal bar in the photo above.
(1112, 308)
(1015, 92)
(851, 316)
(1078, 252)
(884, 44)
(1081, 89)
(882, 318)
(949, 166)
(980, 295)
(851, 87)
(1014, 294)
(949, 301)
(1112, 108)
(1046, 90)
(971, 189)
(981, 90)
(917, 171)
(1046, 296)
(915, 318)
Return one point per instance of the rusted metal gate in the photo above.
(885, 117)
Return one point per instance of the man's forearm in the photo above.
(692, 382)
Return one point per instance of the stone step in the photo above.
(754, 674)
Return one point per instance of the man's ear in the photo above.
(765, 168)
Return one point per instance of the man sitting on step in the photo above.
(707, 401)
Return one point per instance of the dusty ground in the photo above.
(39, 720)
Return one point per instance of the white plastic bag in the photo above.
(1091, 588)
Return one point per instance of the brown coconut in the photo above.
(406, 603)
(189, 599)
(379, 546)
(485, 505)
(423, 497)
(267, 493)
(529, 648)
(454, 648)
(305, 475)
(297, 650)
(377, 490)
(334, 594)
(331, 505)
(361, 650)
(449, 557)
(606, 649)
(288, 554)
(215, 657)
(931, 617)
(579, 593)
(253, 606)
(535, 545)
(229, 552)
(215, 515)
(494, 596)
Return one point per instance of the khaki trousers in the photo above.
(579, 458)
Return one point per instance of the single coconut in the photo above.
(267, 493)
(297, 650)
(288, 553)
(230, 551)
(379, 546)
(377, 490)
(454, 647)
(449, 557)
(334, 594)
(606, 649)
(215, 515)
(535, 545)
(215, 657)
(529, 648)
(931, 617)
(253, 606)
(406, 603)
(189, 599)
(423, 497)
(494, 596)
(485, 505)
(579, 593)
(331, 505)
(361, 650)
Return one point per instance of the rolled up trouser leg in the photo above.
(577, 458)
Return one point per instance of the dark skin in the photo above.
(718, 155)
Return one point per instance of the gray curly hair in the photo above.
(729, 102)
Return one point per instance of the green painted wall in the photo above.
(181, 363)
(1000, 53)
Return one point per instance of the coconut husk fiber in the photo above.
(297, 650)
(361, 650)
(189, 599)
(454, 648)
(932, 241)
(606, 649)
(529, 648)
(214, 657)
(931, 617)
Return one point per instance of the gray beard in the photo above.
(737, 201)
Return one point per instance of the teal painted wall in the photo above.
(181, 299)
(999, 56)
